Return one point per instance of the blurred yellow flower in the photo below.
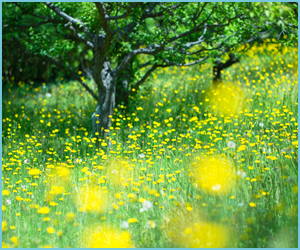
(119, 171)
(4, 226)
(214, 174)
(226, 99)
(63, 172)
(191, 229)
(44, 210)
(57, 181)
(14, 240)
(118, 196)
(150, 224)
(5, 192)
(204, 235)
(188, 208)
(34, 171)
(59, 233)
(132, 220)
(57, 190)
(85, 169)
(50, 230)
(5, 245)
(92, 199)
(71, 215)
(106, 237)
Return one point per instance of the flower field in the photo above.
(187, 164)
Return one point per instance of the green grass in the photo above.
(169, 124)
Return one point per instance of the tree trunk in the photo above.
(101, 118)
(123, 81)
(122, 85)
(218, 67)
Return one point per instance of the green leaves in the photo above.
(187, 31)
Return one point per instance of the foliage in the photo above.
(176, 28)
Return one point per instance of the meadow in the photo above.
(190, 165)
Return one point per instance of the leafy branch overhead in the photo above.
(166, 34)
(176, 28)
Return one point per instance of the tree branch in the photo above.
(295, 9)
(200, 12)
(203, 49)
(24, 11)
(195, 62)
(185, 64)
(169, 64)
(76, 23)
(147, 74)
(144, 65)
(200, 39)
(103, 19)
(161, 13)
(32, 25)
(124, 32)
(151, 50)
(59, 64)
(78, 36)
(218, 67)
(201, 27)
(291, 25)
(86, 70)
(128, 11)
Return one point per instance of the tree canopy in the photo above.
(114, 35)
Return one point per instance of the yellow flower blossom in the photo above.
(132, 220)
(252, 204)
(4, 226)
(192, 230)
(204, 235)
(227, 98)
(5, 192)
(5, 245)
(44, 210)
(215, 175)
(50, 230)
(14, 240)
(34, 172)
(92, 199)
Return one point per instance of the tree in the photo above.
(169, 34)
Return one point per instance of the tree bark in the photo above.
(123, 81)
(101, 118)
(124, 78)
